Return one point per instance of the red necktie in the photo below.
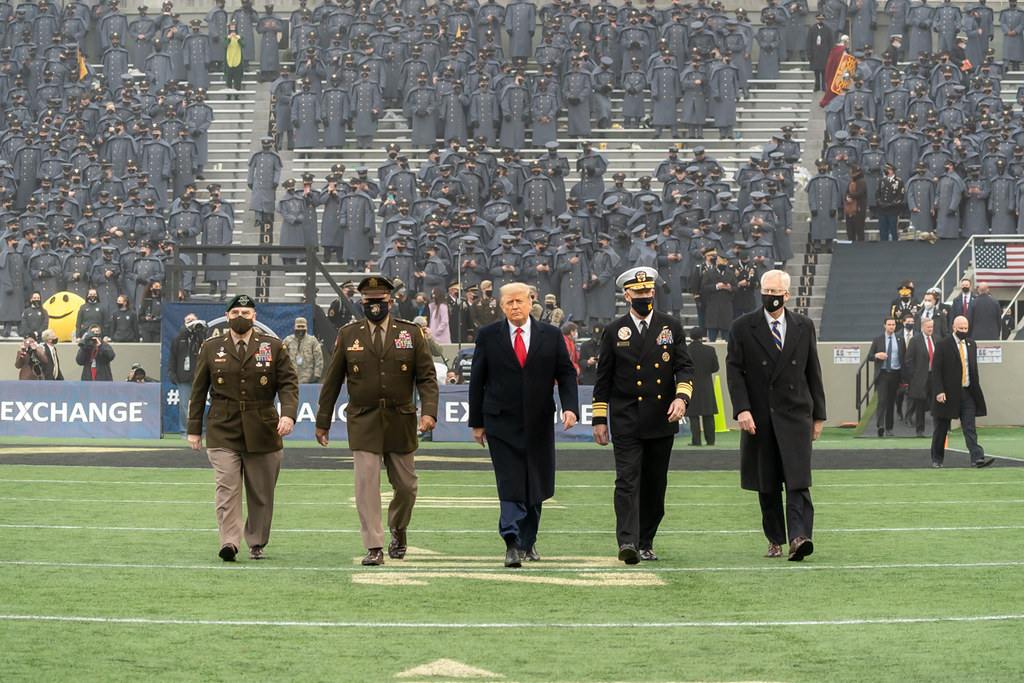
(931, 352)
(520, 347)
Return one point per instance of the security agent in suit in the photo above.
(243, 370)
(385, 360)
(958, 393)
(516, 363)
(703, 405)
(917, 373)
(644, 383)
(778, 398)
(888, 352)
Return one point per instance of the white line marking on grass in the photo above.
(1003, 457)
(519, 625)
(482, 503)
(547, 568)
(694, 532)
(433, 484)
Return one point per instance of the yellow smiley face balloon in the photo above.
(62, 308)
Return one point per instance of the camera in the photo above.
(88, 339)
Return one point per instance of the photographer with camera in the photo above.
(30, 359)
(94, 355)
(181, 364)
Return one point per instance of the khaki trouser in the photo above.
(402, 475)
(258, 471)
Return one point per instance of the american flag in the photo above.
(1000, 265)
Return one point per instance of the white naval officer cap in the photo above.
(642, 277)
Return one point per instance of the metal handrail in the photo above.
(940, 283)
(864, 377)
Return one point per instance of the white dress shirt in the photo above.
(526, 334)
(782, 324)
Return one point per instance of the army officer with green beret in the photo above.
(384, 359)
(243, 370)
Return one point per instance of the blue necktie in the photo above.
(777, 336)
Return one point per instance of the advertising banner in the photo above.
(109, 410)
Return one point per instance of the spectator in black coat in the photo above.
(988, 316)
(94, 355)
(703, 406)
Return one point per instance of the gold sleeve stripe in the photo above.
(684, 388)
(599, 410)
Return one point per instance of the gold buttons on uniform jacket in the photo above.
(638, 367)
(639, 383)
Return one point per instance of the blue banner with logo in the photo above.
(452, 416)
(108, 410)
(278, 319)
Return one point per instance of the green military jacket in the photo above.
(242, 415)
(381, 413)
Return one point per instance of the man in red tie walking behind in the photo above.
(516, 364)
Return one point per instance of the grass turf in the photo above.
(902, 558)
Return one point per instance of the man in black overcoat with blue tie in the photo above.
(778, 398)
(643, 387)
(517, 363)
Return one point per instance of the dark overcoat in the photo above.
(785, 395)
(947, 378)
(705, 364)
(515, 406)
(916, 373)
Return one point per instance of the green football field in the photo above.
(112, 574)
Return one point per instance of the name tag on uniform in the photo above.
(263, 353)
(403, 340)
(622, 343)
(664, 337)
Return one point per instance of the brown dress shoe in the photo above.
(374, 557)
(774, 550)
(256, 553)
(397, 546)
(800, 548)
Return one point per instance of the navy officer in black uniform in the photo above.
(644, 382)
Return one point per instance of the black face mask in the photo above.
(772, 302)
(299, 334)
(240, 325)
(376, 310)
(642, 307)
(92, 299)
(36, 303)
(157, 294)
(965, 290)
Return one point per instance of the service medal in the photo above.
(665, 356)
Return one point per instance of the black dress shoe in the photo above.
(530, 555)
(374, 558)
(800, 548)
(647, 555)
(888, 432)
(628, 554)
(512, 557)
(937, 465)
(398, 545)
(228, 552)
(984, 462)
(881, 431)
